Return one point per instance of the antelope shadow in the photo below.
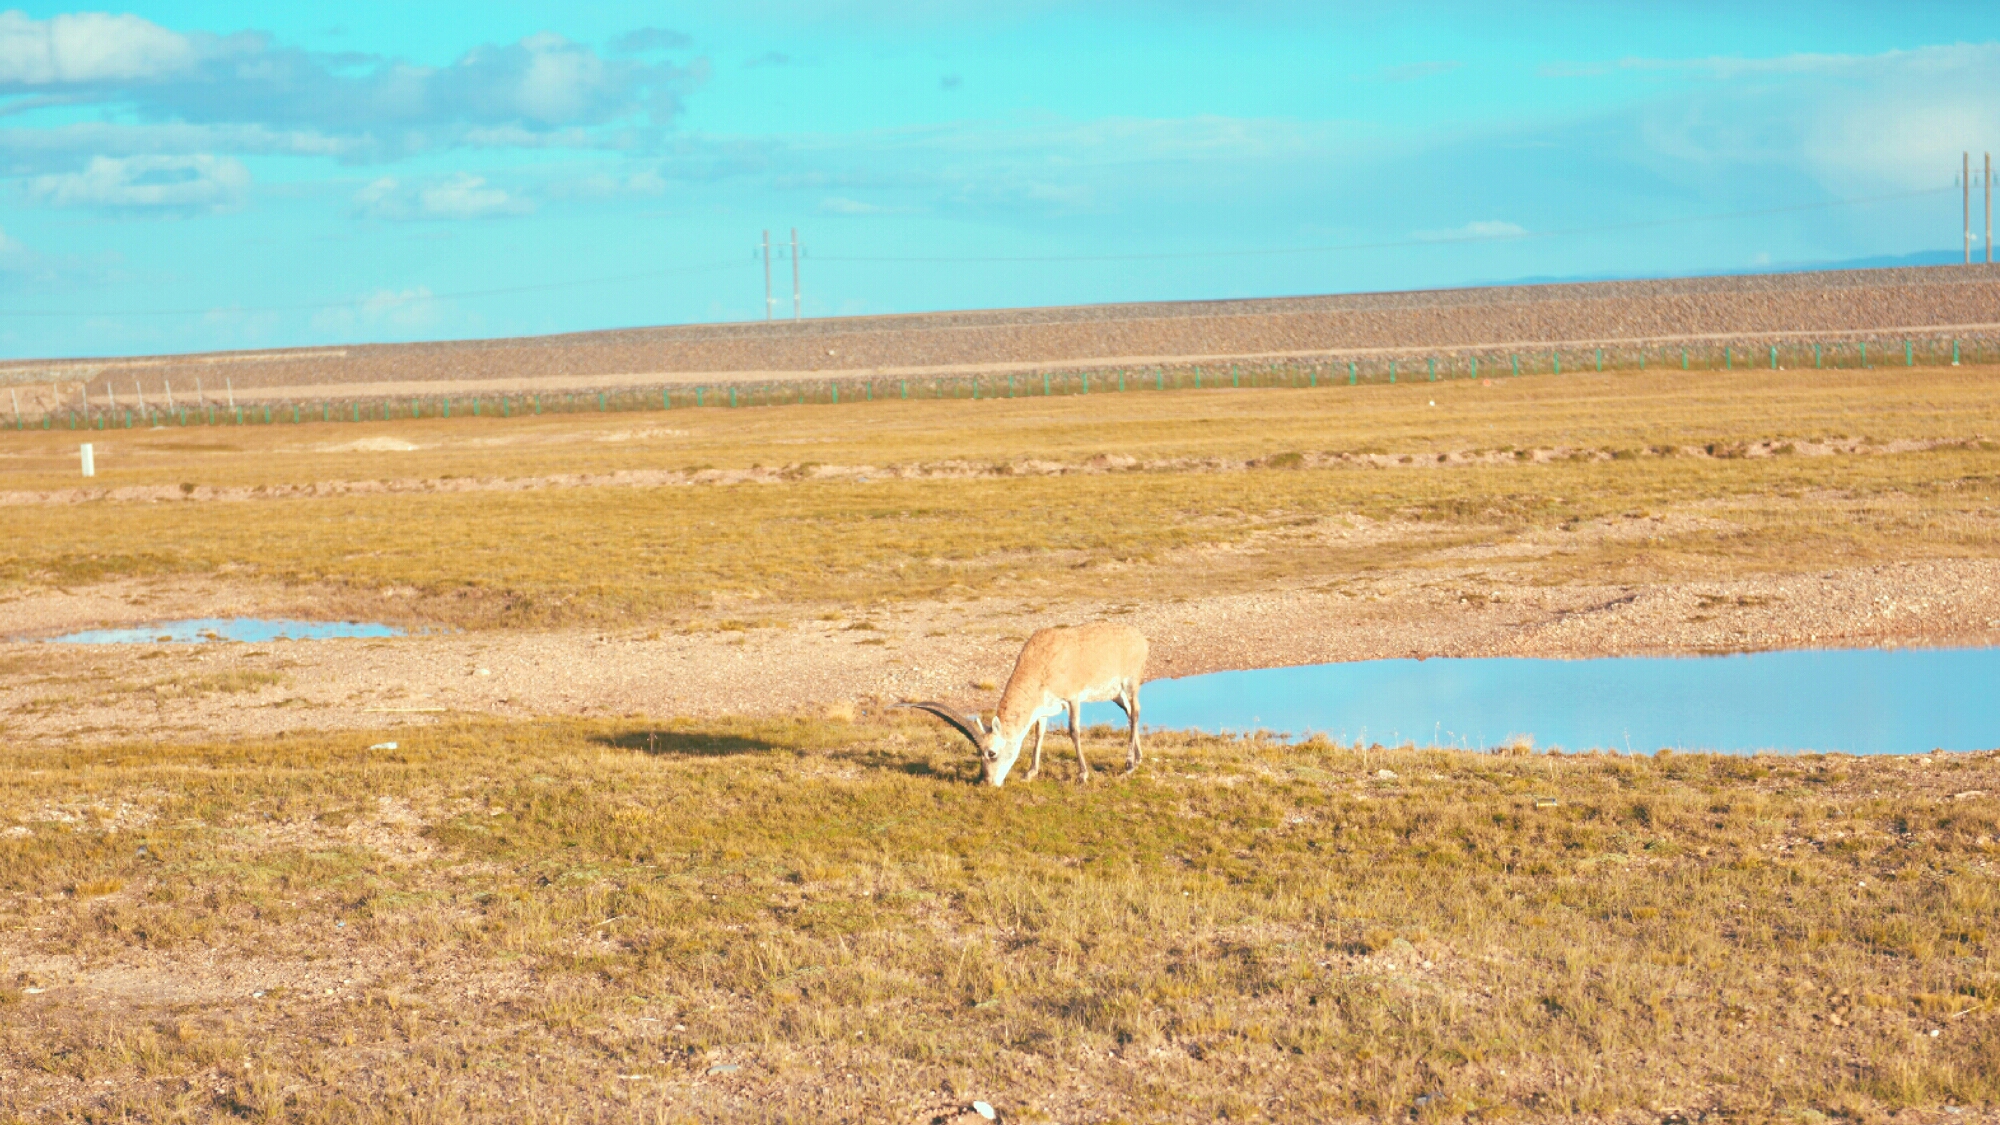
(685, 743)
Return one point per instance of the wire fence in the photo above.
(1372, 368)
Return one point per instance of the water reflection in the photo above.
(204, 629)
(1857, 701)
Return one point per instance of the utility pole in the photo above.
(1989, 208)
(1965, 178)
(795, 273)
(767, 275)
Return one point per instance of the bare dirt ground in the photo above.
(1463, 605)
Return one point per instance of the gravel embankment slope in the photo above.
(1923, 302)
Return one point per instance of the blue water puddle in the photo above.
(1855, 701)
(204, 629)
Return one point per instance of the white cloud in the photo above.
(167, 183)
(1475, 231)
(462, 196)
(406, 309)
(1854, 124)
(541, 90)
(88, 47)
(14, 257)
(468, 197)
(398, 311)
(836, 205)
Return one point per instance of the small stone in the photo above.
(723, 1068)
(1385, 775)
(984, 1110)
(383, 746)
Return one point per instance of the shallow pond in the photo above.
(1858, 701)
(205, 629)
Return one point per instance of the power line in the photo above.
(357, 301)
(1508, 236)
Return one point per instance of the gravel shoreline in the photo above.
(923, 649)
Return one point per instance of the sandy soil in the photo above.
(957, 651)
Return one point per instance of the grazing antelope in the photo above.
(1058, 669)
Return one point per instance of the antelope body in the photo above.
(1059, 669)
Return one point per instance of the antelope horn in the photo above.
(969, 726)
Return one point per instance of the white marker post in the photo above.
(89, 461)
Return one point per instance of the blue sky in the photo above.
(180, 176)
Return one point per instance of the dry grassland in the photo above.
(819, 918)
(825, 921)
(666, 517)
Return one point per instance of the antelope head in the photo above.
(998, 750)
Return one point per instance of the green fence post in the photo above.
(1774, 357)
(506, 407)
(835, 389)
(1121, 378)
(1086, 382)
(1517, 362)
(1432, 361)
(1864, 354)
(1197, 378)
(1045, 384)
(1600, 359)
(1555, 363)
(600, 403)
(1909, 354)
(1684, 359)
(1728, 358)
(1312, 376)
(905, 385)
(1353, 373)
(1472, 362)
(1392, 371)
(1954, 353)
(1235, 379)
(1816, 356)
(1159, 378)
(698, 393)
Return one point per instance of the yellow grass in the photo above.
(561, 552)
(578, 921)
(1589, 411)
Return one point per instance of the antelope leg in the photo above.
(1035, 770)
(1131, 705)
(1076, 737)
